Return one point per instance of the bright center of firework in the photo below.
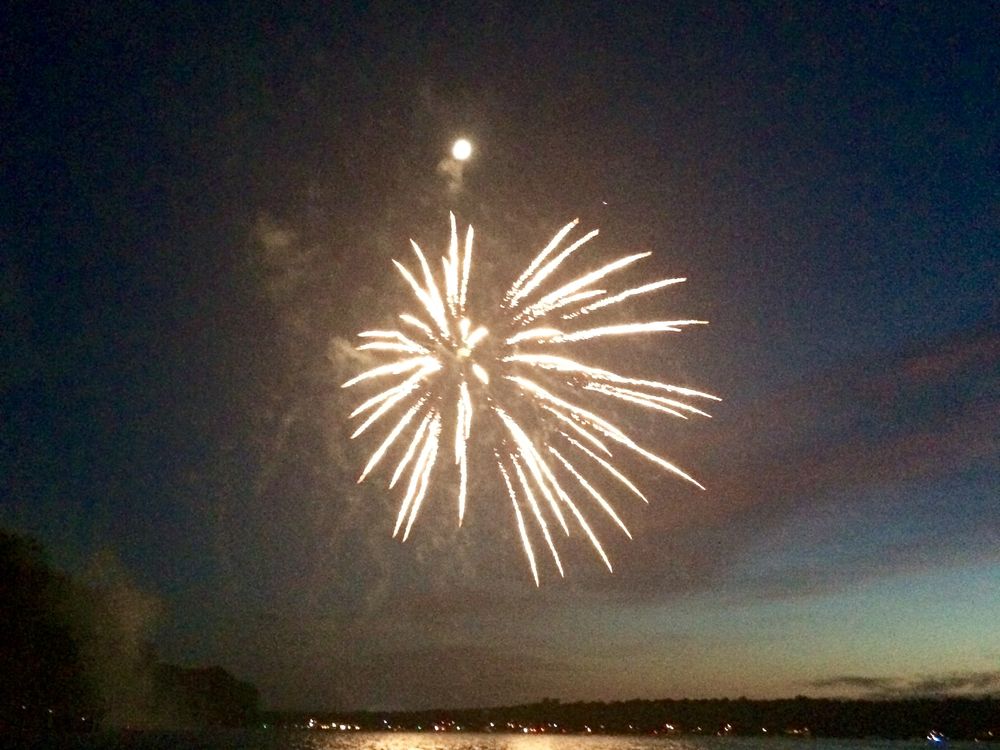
(461, 149)
(451, 378)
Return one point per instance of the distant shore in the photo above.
(801, 717)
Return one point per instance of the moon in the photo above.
(461, 149)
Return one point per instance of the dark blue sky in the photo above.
(199, 207)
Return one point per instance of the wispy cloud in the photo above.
(834, 446)
(955, 683)
(855, 682)
(914, 414)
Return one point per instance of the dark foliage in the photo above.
(71, 658)
(206, 697)
(43, 682)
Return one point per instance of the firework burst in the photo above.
(448, 373)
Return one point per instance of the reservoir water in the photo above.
(321, 740)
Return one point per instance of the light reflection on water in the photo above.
(406, 741)
(425, 741)
(319, 740)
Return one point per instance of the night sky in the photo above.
(199, 207)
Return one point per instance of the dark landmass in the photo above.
(73, 657)
(956, 718)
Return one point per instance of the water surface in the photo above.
(278, 739)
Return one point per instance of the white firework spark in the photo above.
(456, 373)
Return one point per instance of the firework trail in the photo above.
(447, 373)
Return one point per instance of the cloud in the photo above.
(890, 417)
(956, 683)
(854, 682)
(825, 455)
(938, 685)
